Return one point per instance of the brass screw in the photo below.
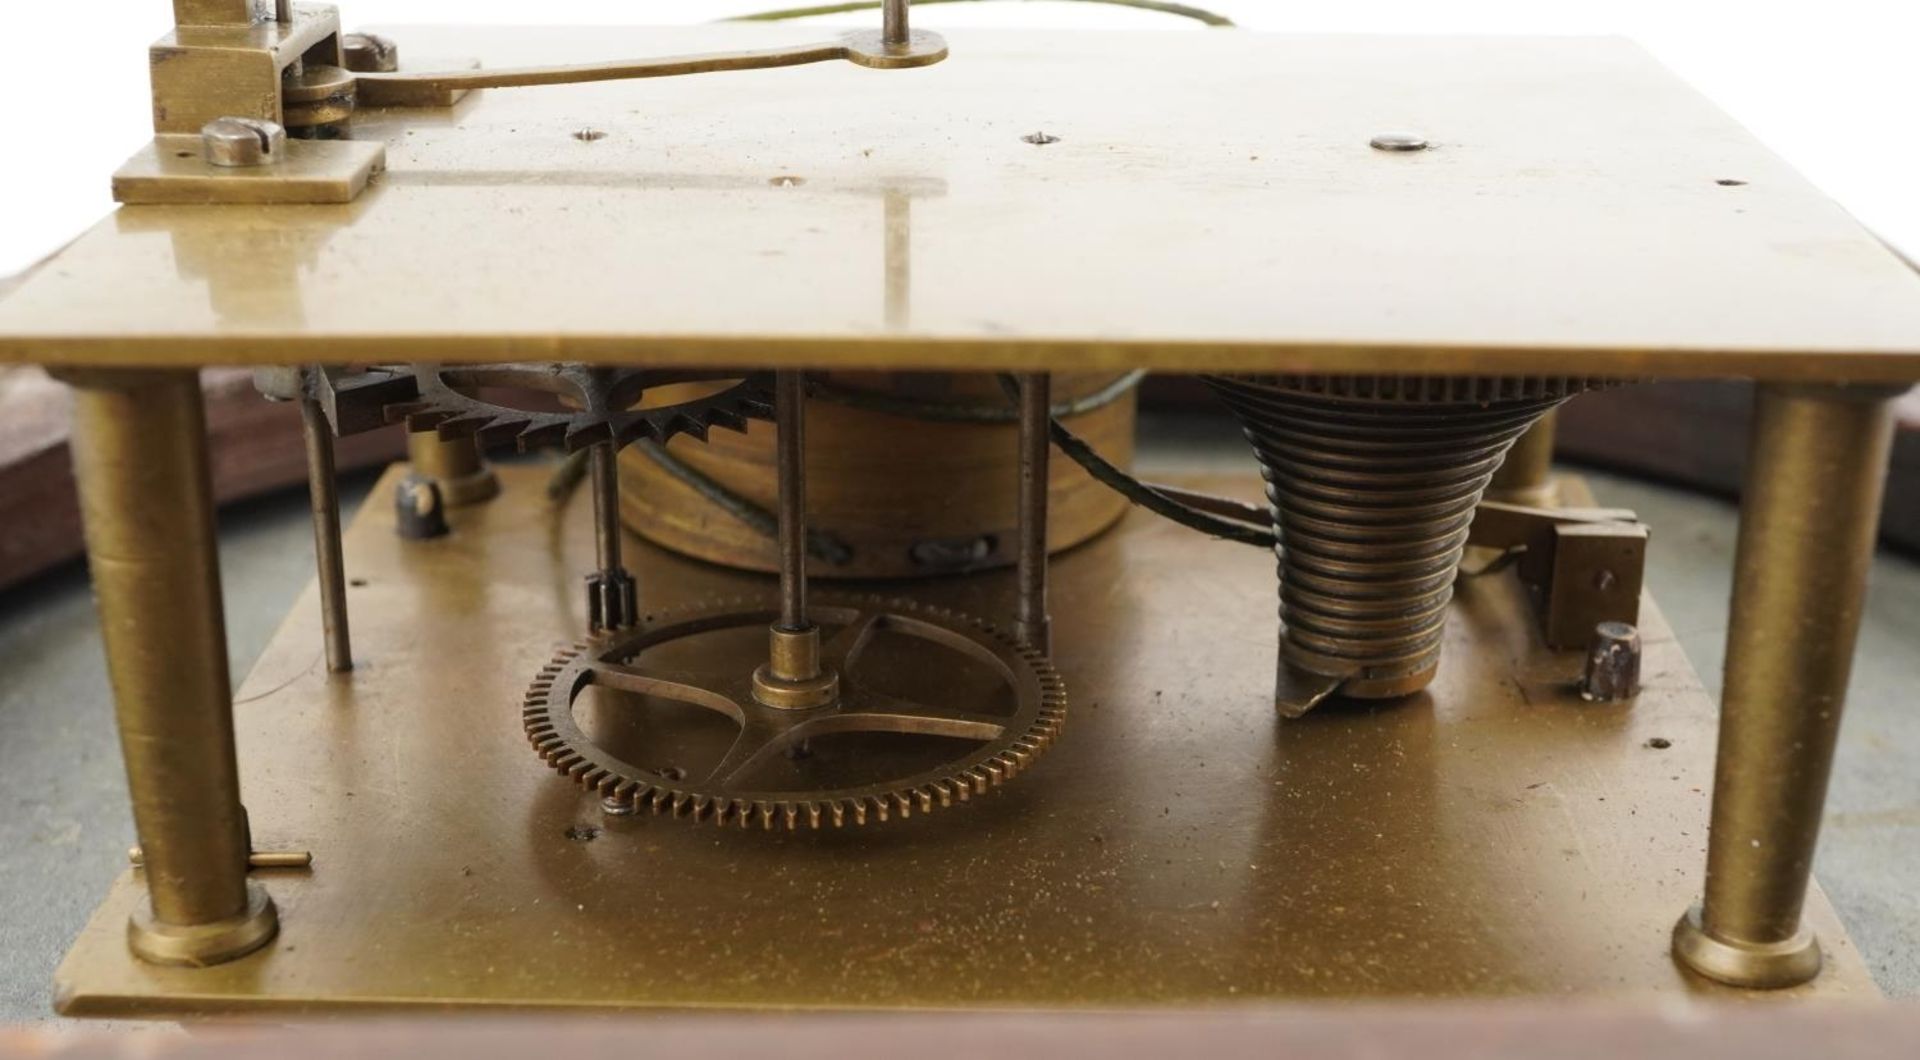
(370, 53)
(241, 142)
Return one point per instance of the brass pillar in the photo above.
(1526, 475)
(140, 456)
(1809, 515)
(453, 464)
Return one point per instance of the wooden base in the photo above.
(1494, 836)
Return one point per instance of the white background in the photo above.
(1833, 85)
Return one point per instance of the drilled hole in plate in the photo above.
(587, 136)
(1730, 182)
(786, 181)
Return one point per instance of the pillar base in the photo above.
(1760, 966)
(200, 945)
(462, 490)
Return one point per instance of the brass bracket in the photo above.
(221, 63)
(295, 71)
(1584, 566)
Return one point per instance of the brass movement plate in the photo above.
(1493, 837)
(1209, 202)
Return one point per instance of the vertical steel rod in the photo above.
(323, 496)
(1031, 623)
(1809, 515)
(605, 482)
(140, 457)
(790, 432)
(793, 677)
(1526, 475)
(612, 597)
(893, 22)
(283, 11)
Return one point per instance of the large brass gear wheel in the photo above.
(979, 748)
(603, 405)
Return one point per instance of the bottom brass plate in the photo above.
(1494, 836)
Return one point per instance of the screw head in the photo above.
(1613, 664)
(419, 511)
(1399, 141)
(237, 142)
(370, 53)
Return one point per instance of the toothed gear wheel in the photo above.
(599, 404)
(1004, 743)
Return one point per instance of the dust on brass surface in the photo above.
(1494, 836)
(1204, 202)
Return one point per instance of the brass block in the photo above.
(172, 171)
(215, 12)
(203, 72)
(1491, 836)
(1596, 574)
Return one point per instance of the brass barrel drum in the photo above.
(909, 474)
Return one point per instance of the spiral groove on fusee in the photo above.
(1372, 484)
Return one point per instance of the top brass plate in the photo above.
(1211, 203)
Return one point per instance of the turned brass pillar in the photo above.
(1526, 475)
(455, 465)
(1809, 515)
(140, 457)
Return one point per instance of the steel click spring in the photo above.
(1372, 485)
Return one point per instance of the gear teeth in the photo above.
(547, 719)
(408, 413)
(439, 406)
(460, 427)
(585, 435)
